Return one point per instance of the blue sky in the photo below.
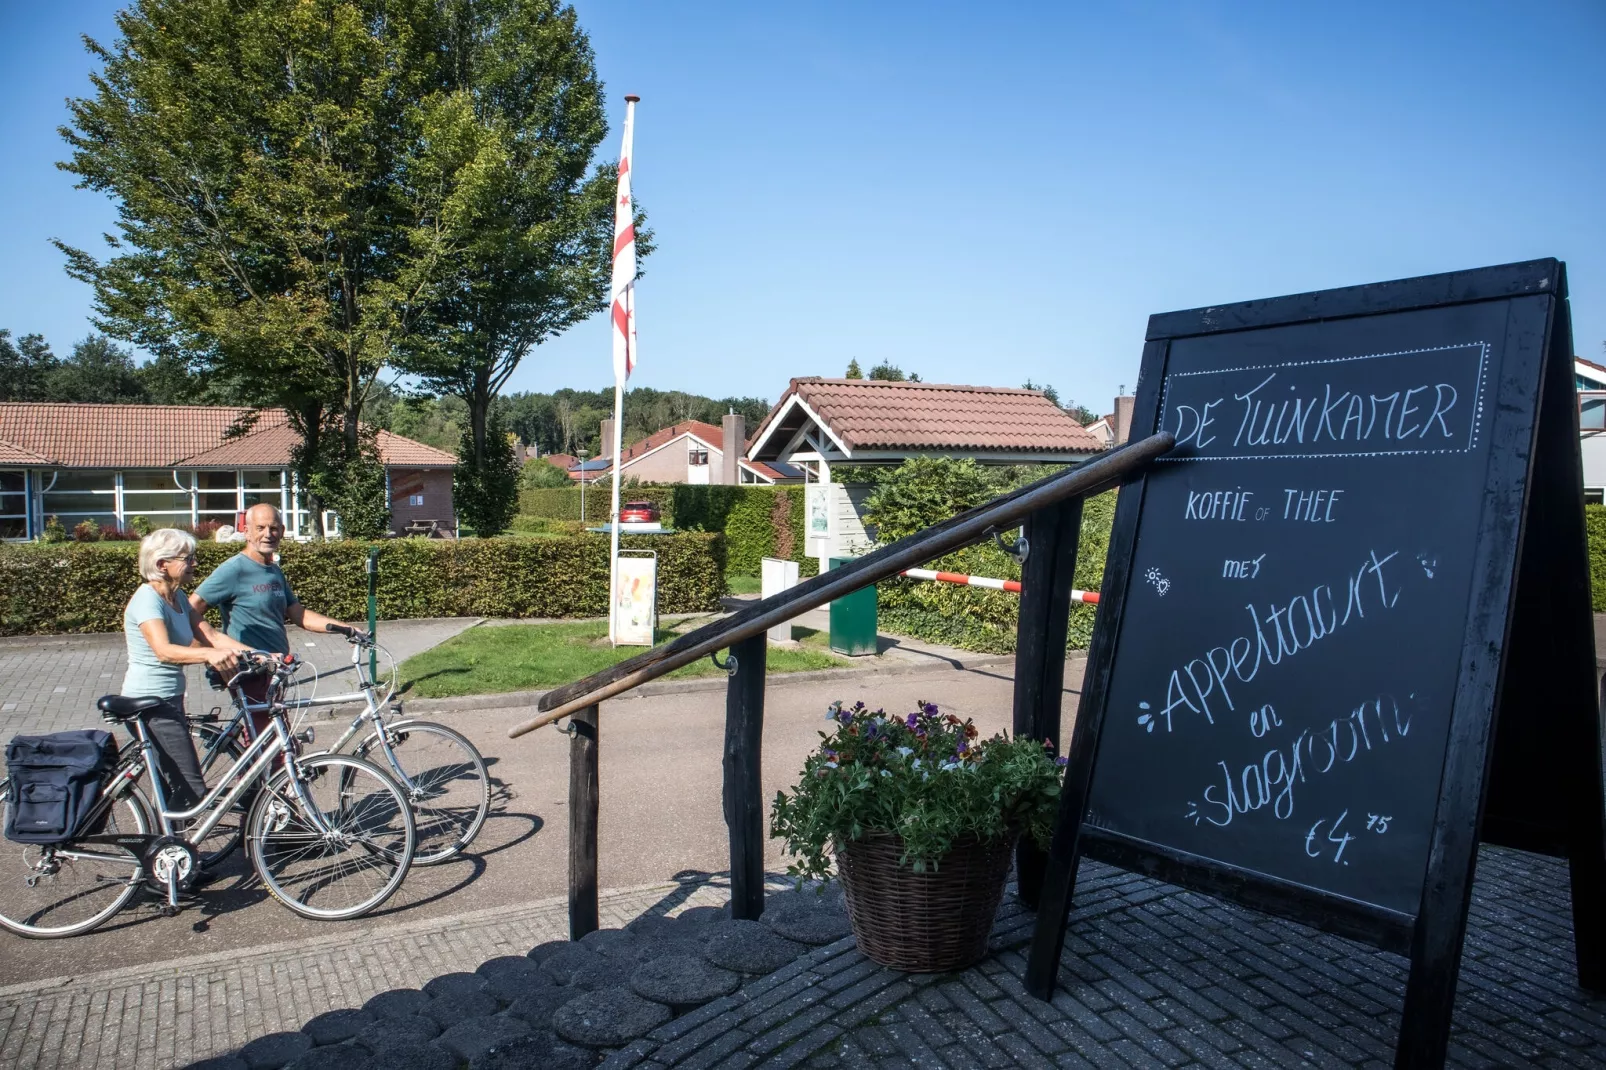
(991, 193)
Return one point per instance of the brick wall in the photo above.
(434, 484)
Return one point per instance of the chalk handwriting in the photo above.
(1270, 780)
(1217, 504)
(1242, 570)
(1311, 506)
(1204, 684)
(1334, 835)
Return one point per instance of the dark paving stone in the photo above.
(219, 1062)
(330, 1057)
(332, 1027)
(682, 981)
(806, 916)
(542, 952)
(603, 973)
(608, 1018)
(518, 966)
(511, 982)
(702, 915)
(274, 1050)
(541, 1050)
(562, 964)
(538, 1005)
(455, 984)
(471, 1039)
(410, 1057)
(651, 925)
(388, 1033)
(601, 939)
(749, 947)
(447, 1011)
(397, 1003)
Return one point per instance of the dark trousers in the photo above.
(179, 766)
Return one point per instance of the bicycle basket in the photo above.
(53, 783)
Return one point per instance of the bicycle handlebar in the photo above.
(355, 636)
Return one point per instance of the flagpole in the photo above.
(624, 342)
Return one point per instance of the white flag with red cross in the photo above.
(624, 261)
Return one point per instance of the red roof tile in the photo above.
(868, 414)
(166, 436)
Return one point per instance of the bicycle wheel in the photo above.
(56, 890)
(451, 791)
(218, 753)
(354, 866)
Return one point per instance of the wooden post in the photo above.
(583, 912)
(744, 788)
(1045, 605)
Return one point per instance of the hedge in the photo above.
(1595, 525)
(757, 522)
(563, 503)
(84, 587)
(975, 618)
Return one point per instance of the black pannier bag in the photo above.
(55, 781)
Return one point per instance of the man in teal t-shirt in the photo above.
(252, 593)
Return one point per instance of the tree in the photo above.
(26, 366)
(888, 372)
(97, 371)
(1047, 391)
(486, 494)
(521, 221)
(264, 156)
(540, 472)
(924, 491)
(853, 371)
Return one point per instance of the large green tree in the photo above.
(264, 156)
(26, 368)
(523, 219)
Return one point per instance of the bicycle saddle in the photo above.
(123, 708)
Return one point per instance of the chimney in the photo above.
(1123, 418)
(733, 448)
(606, 449)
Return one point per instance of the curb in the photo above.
(519, 699)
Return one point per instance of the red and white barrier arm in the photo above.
(1090, 597)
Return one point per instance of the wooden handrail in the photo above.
(969, 527)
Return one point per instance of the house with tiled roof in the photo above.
(183, 464)
(688, 452)
(823, 422)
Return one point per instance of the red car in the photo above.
(638, 513)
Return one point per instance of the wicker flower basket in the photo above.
(923, 922)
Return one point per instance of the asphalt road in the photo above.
(660, 816)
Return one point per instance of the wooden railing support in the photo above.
(1052, 535)
(744, 768)
(583, 910)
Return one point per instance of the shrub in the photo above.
(1595, 525)
(82, 587)
(54, 531)
(86, 531)
(925, 491)
(538, 472)
(141, 526)
(563, 503)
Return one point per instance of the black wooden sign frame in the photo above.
(1527, 651)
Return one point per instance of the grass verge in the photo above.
(531, 657)
(743, 584)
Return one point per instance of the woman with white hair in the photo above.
(165, 634)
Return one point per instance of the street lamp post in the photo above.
(582, 455)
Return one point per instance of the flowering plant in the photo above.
(924, 777)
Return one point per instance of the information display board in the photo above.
(1307, 620)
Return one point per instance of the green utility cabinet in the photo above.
(853, 619)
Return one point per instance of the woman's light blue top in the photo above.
(146, 675)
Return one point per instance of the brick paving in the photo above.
(50, 683)
(1152, 977)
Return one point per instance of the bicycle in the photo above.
(440, 771)
(330, 835)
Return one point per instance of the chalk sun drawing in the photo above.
(1428, 564)
(1157, 581)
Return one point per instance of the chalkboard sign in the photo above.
(1302, 638)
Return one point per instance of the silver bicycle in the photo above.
(440, 771)
(330, 835)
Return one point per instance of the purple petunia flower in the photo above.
(1061, 760)
(912, 720)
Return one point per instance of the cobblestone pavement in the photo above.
(50, 683)
(1152, 976)
(172, 1013)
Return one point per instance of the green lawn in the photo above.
(530, 657)
(744, 584)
